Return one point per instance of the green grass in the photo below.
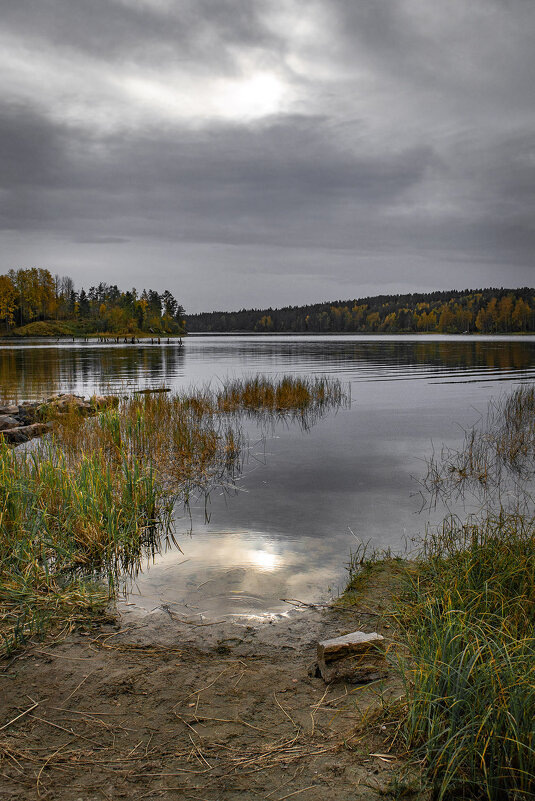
(46, 328)
(65, 523)
(467, 617)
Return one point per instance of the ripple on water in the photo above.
(288, 532)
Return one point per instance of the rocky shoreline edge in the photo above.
(21, 422)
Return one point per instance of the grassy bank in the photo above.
(82, 328)
(87, 505)
(465, 615)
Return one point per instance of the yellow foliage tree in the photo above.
(8, 300)
(521, 315)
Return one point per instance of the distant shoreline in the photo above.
(244, 332)
(112, 339)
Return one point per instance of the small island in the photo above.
(34, 303)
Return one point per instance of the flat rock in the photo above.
(15, 435)
(358, 642)
(357, 657)
(65, 400)
(6, 421)
(20, 423)
(23, 433)
(11, 409)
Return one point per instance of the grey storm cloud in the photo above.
(365, 144)
(114, 30)
(192, 184)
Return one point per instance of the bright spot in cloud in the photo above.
(253, 97)
(257, 96)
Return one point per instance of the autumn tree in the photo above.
(8, 301)
(505, 311)
(485, 310)
(521, 315)
(446, 319)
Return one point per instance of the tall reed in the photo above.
(496, 463)
(86, 505)
(307, 397)
(64, 524)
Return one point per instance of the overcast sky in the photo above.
(269, 152)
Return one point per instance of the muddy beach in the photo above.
(158, 708)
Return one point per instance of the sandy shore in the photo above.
(156, 708)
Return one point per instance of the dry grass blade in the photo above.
(22, 714)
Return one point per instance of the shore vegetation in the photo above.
(465, 615)
(86, 505)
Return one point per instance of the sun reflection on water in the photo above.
(264, 560)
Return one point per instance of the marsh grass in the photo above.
(305, 399)
(188, 445)
(66, 521)
(496, 463)
(468, 616)
(84, 507)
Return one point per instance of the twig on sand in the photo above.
(43, 766)
(296, 725)
(297, 602)
(69, 731)
(78, 687)
(30, 708)
(202, 689)
(296, 792)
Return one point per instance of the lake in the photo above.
(305, 497)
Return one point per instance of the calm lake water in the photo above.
(287, 529)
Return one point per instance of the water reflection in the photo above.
(286, 530)
(33, 369)
(248, 575)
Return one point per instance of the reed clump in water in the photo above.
(188, 445)
(290, 394)
(90, 502)
(497, 459)
(469, 619)
(64, 522)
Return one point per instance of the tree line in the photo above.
(486, 311)
(34, 301)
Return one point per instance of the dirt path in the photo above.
(166, 710)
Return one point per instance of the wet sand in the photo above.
(159, 708)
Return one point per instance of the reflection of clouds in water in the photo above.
(287, 529)
(239, 572)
